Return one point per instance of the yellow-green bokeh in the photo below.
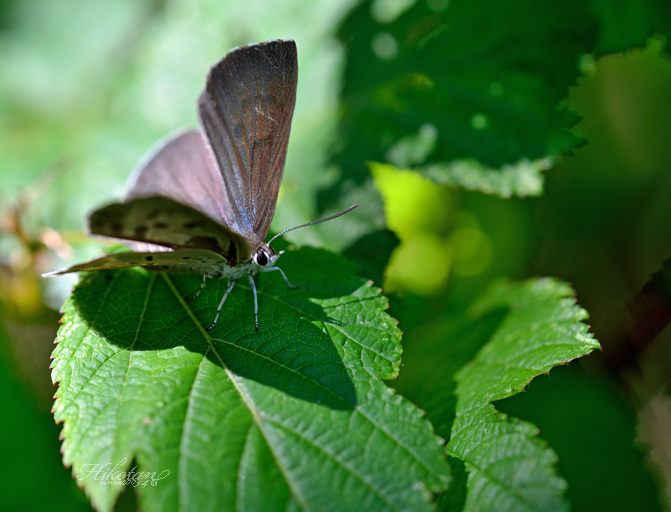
(436, 240)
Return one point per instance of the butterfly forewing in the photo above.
(162, 221)
(183, 168)
(246, 112)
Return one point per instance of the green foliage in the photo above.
(511, 334)
(270, 416)
(509, 467)
(472, 95)
(295, 412)
(460, 89)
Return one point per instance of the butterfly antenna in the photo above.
(315, 222)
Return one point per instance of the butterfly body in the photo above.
(203, 201)
(222, 270)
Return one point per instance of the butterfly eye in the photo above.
(261, 258)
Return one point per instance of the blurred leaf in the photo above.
(521, 179)
(294, 414)
(29, 446)
(7, 8)
(628, 24)
(461, 88)
(650, 313)
(509, 467)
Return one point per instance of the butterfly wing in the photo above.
(182, 167)
(199, 261)
(246, 112)
(161, 221)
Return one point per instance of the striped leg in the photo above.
(202, 285)
(256, 302)
(271, 269)
(221, 304)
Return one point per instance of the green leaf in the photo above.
(462, 88)
(509, 467)
(292, 416)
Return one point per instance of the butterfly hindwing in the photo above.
(182, 167)
(199, 261)
(162, 221)
(246, 112)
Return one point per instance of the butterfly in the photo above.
(203, 201)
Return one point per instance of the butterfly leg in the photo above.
(221, 304)
(256, 302)
(202, 285)
(270, 269)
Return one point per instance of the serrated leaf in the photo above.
(295, 415)
(509, 467)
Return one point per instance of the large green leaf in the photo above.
(509, 467)
(460, 89)
(294, 415)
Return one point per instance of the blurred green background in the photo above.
(86, 87)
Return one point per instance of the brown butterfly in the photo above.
(203, 201)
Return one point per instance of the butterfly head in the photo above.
(264, 256)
